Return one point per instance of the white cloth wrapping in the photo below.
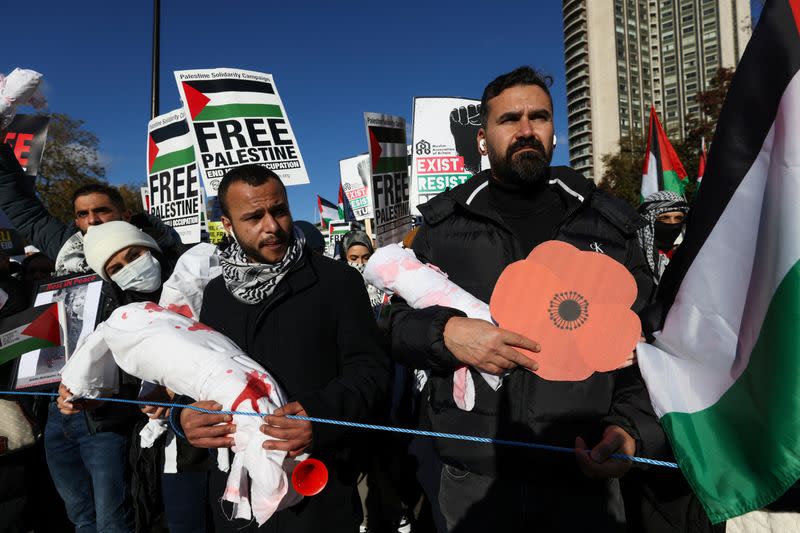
(168, 349)
(396, 270)
(183, 293)
(19, 88)
(195, 268)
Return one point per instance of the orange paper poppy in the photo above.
(577, 305)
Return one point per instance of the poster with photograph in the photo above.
(81, 299)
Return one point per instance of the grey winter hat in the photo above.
(356, 237)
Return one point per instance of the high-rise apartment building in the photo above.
(624, 55)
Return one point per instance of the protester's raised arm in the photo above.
(28, 214)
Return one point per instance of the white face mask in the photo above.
(358, 266)
(141, 275)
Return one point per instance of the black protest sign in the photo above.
(27, 135)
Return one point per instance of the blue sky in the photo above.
(331, 62)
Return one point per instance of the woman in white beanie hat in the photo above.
(122, 253)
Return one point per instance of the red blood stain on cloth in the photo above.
(150, 307)
(255, 389)
(199, 326)
(181, 310)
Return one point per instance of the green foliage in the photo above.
(622, 175)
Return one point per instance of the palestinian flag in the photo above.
(327, 211)
(701, 164)
(724, 373)
(387, 149)
(169, 146)
(345, 209)
(662, 170)
(32, 329)
(225, 98)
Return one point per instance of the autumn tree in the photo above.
(71, 160)
(622, 174)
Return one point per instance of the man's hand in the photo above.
(294, 435)
(632, 359)
(488, 348)
(204, 430)
(155, 412)
(598, 463)
(156, 393)
(71, 408)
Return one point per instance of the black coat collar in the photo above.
(575, 190)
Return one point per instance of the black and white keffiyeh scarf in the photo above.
(252, 283)
(654, 205)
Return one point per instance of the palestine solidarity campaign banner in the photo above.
(236, 118)
(386, 135)
(355, 185)
(444, 146)
(172, 180)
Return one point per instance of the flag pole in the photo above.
(154, 79)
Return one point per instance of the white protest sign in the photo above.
(444, 146)
(355, 183)
(172, 180)
(386, 135)
(237, 118)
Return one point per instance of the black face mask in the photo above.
(665, 234)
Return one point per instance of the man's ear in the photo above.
(126, 215)
(226, 223)
(482, 142)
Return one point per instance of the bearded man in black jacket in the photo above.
(307, 319)
(472, 233)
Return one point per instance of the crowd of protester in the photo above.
(343, 350)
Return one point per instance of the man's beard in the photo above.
(253, 252)
(527, 169)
